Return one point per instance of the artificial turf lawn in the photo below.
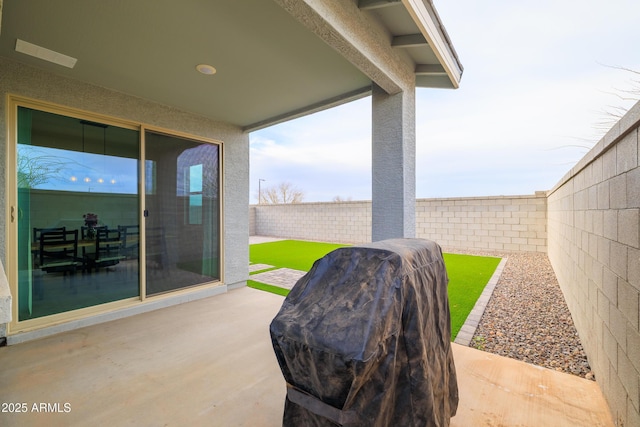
(268, 288)
(294, 254)
(468, 274)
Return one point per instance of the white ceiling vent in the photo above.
(45, 54)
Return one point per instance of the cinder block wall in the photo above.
(344, 222)
(252, 221)
(594, 247)
(504, 223)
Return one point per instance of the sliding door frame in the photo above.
(172, 133)
(12, 212)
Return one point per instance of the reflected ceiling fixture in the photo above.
(206, 69)
(104, 148)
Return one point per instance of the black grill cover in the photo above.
(363, 339)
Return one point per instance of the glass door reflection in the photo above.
(182, 207)
(78, 206)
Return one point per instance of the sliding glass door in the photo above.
(106, 212)
(77, 189)
(182, 210)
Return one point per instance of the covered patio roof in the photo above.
(273, 60)
(210, 362)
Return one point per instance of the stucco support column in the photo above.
(393, 164)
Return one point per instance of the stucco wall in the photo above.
(26, 81)
(504, 223)
(594, 247)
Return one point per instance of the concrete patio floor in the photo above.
(210, 363)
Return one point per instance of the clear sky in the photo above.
(537, 87)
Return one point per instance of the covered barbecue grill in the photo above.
(363, 339)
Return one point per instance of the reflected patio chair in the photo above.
(107, 249)
(38, 231)
(130, 237)
(58, 251)
(156, 249)
(35, 245)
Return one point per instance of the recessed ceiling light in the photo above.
(206, 69)
(45, 54)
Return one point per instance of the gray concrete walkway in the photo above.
(210, 363)
(263, 239)
(258, 267)
(281, 277)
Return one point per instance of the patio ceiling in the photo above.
(270, 67)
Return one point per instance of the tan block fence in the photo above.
(503, 223)
(594, 248)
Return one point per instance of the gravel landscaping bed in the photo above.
(528, 319)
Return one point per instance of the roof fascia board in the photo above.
(357, 38)
(440, 44)
(311, 109)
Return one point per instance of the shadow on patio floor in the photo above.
(210, 362)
